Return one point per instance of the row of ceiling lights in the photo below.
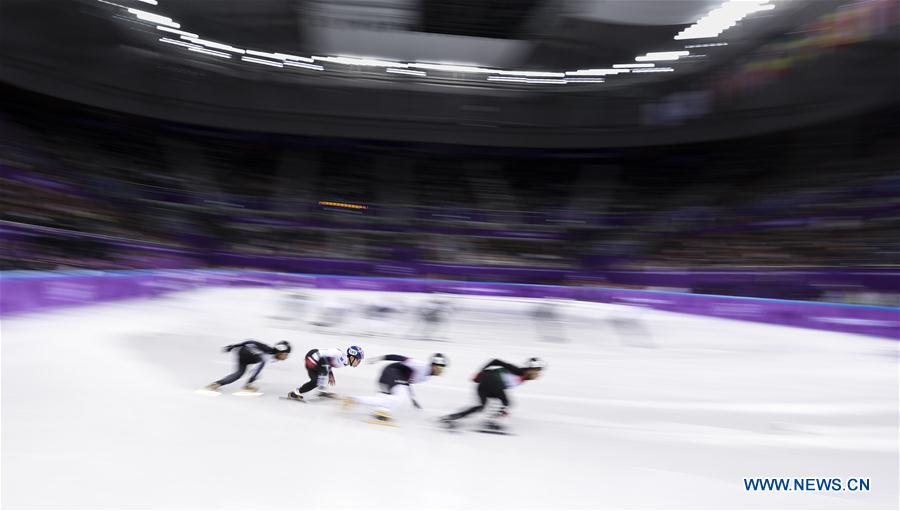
(710, 26)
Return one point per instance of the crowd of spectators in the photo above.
(88, 188)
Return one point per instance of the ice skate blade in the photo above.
(493, 431)
(448, 428)
(390, 424)
(492, 428)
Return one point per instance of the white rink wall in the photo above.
(637, 409)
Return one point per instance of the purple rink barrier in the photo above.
(32, 291)
(857, 319)
(883, 279)
(794, 283)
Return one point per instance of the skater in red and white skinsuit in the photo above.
(320, 365)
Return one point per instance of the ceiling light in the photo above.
(542, 74)
(545, 80)
(722, 18)
(212, 52)
(585, 80)
(411, 72)
(514, 79)
(707, 45)
(597, 72)
(263, 54)
(453, 68)
(213, 44)
(518, 79)
(177, 42)
(156, 18)
(662, 55)
(261, 61)
(304, 65)
(357, 61)
(287, 56)
(176, 31)
(654, 70)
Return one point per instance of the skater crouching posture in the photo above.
(493, 380)
(320, 365)
(251, 353)
(396, 383)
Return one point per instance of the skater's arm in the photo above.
(389, 358)
(412, 398)
(265, 348)
(518, 371)
(235, 345)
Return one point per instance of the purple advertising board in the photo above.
(22, 292)
(796, 283)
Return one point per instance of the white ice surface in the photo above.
(99, 411)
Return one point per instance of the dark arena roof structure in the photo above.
(508, 73)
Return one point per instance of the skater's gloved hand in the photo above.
(331, 378)
(228, 348)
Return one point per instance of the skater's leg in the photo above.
(495, 419)
(244, 359)
(233, 377)
(501, 395)
(482, 400)
(377, 401)
(399, 394)
(386, 402)
(314, 371)
(317, 378)
(255, 375)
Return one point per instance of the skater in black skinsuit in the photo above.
(493, 380)
(251, 353)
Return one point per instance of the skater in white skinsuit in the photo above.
(396, 383)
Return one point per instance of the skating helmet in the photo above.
(535, 363)
(439, 359)
(355, 355)
(282, 347)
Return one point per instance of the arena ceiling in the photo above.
(531, 35)
(541, 73)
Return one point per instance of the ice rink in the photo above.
(637, 409)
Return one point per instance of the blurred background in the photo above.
(511, 141)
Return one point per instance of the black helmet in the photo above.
(282, 347)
